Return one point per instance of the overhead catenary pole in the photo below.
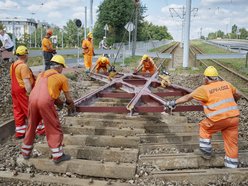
(187, 35)
(85, 22)
(136, 27)
(91, 15)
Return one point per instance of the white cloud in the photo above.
(8, 4)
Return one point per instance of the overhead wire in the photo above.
(131, 18)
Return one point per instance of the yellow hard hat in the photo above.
(145, 57)
(58, 59)
(104, 59)
(211, 71)
(90, 35)
(21, 50)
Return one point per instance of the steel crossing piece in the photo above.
(143, 93)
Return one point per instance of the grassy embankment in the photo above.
(236, 64)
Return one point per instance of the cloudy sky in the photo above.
(207, 15)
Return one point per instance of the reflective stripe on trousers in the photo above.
(206, 146)
(231, 162)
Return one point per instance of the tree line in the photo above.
(236, 33)
(116, 14)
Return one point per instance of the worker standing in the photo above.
(147, 64)
(22, 80)
(7, 43)
(219, 102)
(41, 106)
(88, 52)
(47, 48)
(102, 63)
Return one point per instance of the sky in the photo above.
(207, 15)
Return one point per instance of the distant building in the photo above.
(20, 26)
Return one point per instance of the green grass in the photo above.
(236, 64)
(209, 49)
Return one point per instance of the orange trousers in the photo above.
(88, 61)
(103, 68)
(151, 70)
(229, 130)
(41, 106)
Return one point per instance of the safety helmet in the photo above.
(58, 59)
(211, 71)
(49, 31)
(104, 59)
(21, 50)
(145, 57)
(90, 35)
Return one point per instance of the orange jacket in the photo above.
(148, 64)
(88, 48)
(217, 99)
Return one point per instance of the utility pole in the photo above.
(187, 35)
(91, 15)
(85, 21)
(136, 3)
(180, 14)
(200, 32)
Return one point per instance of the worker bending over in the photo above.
(102, 63)
(41, 106)
(88, 52)
(147, 64)
(222, 114)
(22, 81)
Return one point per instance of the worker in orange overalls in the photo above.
(22, 81)
(44, 95)
(219, 102)
(88, 52)
(147, 64)
(47, 48)
(102, 63)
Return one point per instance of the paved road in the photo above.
(238, 46)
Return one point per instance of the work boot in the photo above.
(64, 157)
(26, 157)
(203, 154)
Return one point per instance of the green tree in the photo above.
(234, 28)
(150, 31)
(116, 13)
(243, 33)
(71, 34)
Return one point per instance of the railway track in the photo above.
(118, 149)
(240, 81)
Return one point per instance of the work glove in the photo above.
(171, 104)
(71, 109)
(59, 104)
(135, 71)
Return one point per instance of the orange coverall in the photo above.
(222, 115)
(19, 71)
(88, 52)
(100, 65)
(148, 66)
(41, 106)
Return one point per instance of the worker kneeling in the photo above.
(102, 63)
(41, 107)
(147, 64)
(222, 114)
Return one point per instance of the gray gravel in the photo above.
(10, 151)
